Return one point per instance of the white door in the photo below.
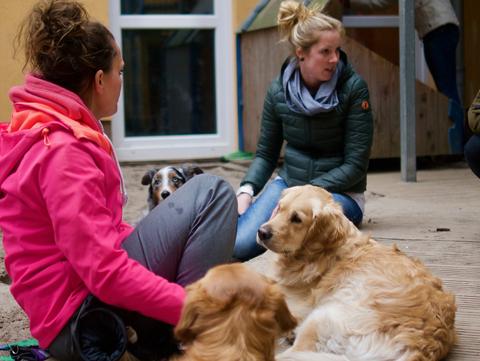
(178, 87)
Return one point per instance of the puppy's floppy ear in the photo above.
(190, 170)
(148, 176)
(184, 331)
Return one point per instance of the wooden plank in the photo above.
(258, 73)
(443, 252)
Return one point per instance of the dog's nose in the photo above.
(264, 233)
(165, 194)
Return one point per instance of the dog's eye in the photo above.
(176, 180)
(295, 218)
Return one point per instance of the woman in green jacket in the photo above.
(320, 108)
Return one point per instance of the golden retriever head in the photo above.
(233, 309)
(307, 221)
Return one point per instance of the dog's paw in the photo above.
(131, 335)
(289, 338)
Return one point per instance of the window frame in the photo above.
(166, 147)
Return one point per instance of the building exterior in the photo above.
(179, 94)
(179, 99)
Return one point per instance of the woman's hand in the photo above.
(244, 200)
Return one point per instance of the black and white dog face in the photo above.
(163, 182)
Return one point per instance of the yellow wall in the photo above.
(12, 13)
(242, 9)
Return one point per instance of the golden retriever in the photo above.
(234, 314)
(356, 299)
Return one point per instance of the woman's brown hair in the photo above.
(63, 46)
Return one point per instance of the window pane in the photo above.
(167, 7)
(169, 82)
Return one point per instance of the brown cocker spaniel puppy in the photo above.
(234, 314)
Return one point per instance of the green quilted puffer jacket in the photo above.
(330, 149)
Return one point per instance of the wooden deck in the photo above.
(436, 219)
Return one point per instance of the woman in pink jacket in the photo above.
(76, 267)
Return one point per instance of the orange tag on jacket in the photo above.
(365, 105)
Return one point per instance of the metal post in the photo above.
(407, 91)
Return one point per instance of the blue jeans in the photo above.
(246, 246)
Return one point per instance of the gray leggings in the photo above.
(180, 239)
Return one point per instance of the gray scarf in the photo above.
(299, 99)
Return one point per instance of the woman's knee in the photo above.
(472, 148)
(215, 194)
(207, 182)
(472, 154)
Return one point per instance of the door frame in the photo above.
(150, 148)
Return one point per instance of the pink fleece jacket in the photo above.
(61, 217)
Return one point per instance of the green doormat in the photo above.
(237, 156)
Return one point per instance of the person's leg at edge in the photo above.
(350, 208)
(246, 246)
(439, 47)
(472, 154)
(190, 232)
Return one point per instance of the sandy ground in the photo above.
(434, 219)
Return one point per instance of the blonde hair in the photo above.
(302, 26)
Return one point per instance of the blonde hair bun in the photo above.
(301, 25)
(289, 14)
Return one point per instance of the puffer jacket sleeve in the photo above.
(358, 142)
(474, 115)
(73, 189)
(269, 143)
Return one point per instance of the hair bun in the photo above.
(61, 18)
(63, 45)
(289, 14)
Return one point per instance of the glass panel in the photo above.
(169, 82)
(161, 7)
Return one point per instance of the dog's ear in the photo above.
(148, 176)
(185, 330)
(190, 170)
(289, 190)
(329, 226)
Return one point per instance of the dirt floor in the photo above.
(435, 219)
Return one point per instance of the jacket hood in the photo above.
(17, 138)
(61, 100)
